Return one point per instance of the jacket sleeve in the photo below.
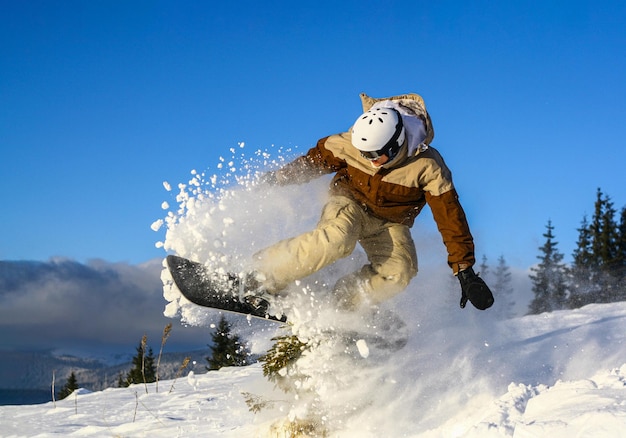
(452, 225)
(316, 162)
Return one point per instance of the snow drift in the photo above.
(550, 375)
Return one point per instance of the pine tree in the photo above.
(483, 269)
(621, 243)
(504, 289)
(595, 228)
(70, 386)
(549, 277)
(144, 369)
(121, 381)
(279, 363)
(609, 238)
(606, 249)
(227, 349)
(598, 266)
(583, 254)
(584, 268)
(621, 255)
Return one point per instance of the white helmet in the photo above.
(377, 132)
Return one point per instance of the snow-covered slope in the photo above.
(552, 375)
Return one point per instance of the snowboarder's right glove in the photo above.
(474, 289)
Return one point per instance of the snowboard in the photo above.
(205, 288)
(208, 289)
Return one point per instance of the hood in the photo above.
(413, 125)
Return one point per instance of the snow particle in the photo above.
(156, 225)
(364, 350)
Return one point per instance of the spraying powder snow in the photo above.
(348, 382)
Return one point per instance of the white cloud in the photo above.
(63, 303)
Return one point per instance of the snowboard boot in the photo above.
(252, 292)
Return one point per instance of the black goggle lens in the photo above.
(375, 155)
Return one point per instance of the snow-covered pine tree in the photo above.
(282, 356)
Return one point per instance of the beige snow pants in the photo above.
(389, 248)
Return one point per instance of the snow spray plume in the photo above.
(223, 218)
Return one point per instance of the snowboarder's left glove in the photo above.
(474, 289)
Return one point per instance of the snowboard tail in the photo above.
(207, 289)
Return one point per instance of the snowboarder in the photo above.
(385, 172)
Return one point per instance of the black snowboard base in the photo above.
(221, 292)
(208, 289)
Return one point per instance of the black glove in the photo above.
(474, 289)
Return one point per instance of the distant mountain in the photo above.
(33, 371)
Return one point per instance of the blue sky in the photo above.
(102, 101)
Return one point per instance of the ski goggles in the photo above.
(376, 155)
